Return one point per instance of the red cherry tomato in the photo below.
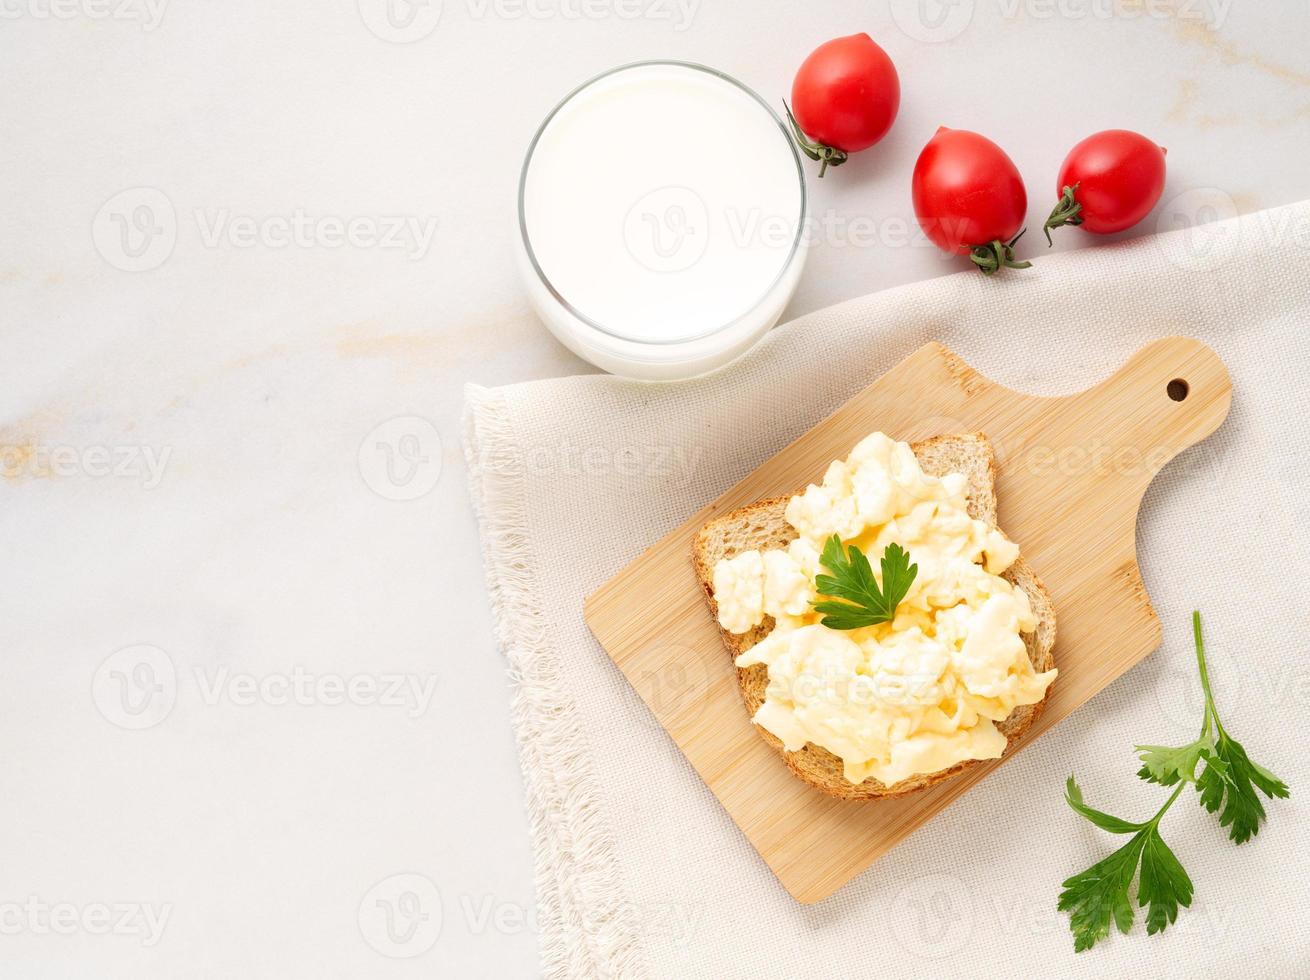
(969, 198)
(1108, 182)
(845, 98)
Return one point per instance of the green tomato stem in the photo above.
(828, 156)
(997, 255)
(1067, 212)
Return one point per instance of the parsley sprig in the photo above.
(1229, 772)
(1096, 895)
(1099, 895)
(852, 580)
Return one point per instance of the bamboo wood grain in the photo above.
(1071, 475)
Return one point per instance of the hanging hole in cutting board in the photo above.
(1177, 389)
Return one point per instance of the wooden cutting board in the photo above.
(1072, 472)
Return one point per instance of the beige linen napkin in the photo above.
(641, 873)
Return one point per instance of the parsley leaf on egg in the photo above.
(852, 580)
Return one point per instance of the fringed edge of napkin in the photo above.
(584, 917)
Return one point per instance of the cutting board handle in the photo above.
(1169, 395)
(1183, 393)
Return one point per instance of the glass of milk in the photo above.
(661, 214)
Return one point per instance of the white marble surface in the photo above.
(191, 471)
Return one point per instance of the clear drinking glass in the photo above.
(661, 210)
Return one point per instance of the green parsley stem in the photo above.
(1210, 711)
(1155, 820)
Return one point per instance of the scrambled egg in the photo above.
(914, 695)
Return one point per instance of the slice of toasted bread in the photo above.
(762, 525)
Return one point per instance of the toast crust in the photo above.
(762, 525)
